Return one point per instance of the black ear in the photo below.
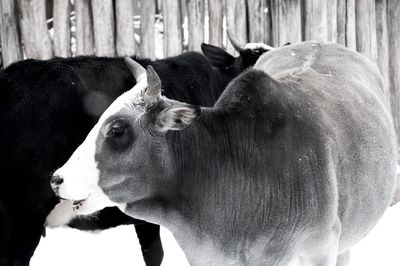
(217, 56)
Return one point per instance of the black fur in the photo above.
(46, 110)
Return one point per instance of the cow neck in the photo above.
(229, 161)
(208, 164)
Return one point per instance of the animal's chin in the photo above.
(77, 203)
(80, 206)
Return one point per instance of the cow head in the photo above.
(248, 55)
(123, 156)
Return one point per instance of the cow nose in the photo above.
(56, 181)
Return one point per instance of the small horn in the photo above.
(139, 73)
(234, 42)
(153, 91)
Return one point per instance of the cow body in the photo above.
(47, 107)
(293, 165)
(347, 91)
(46, 110)
(310, 165)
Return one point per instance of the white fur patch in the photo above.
(96, 201)
(259, 45)
(80, 172)
(61, 215)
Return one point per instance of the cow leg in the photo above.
(325, 252)
(26, 239)
(343, 259)
(150, 242)
(22, 262)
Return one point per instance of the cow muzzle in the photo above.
(86, 197)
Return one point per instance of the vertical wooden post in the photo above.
(382, 42)
(393, 8)
(230, 23)
(173, 36)
(159, 6)
(366, 29)
(1, 54)
(216, 14)
(125, 35)
(103, 25)
(256, 9)
(10, 44)
(147, 16)
(351, 24)
(286, 21)
(61, 26)
(195, 10)
(332, 20)
(84, 28)
(236, 20)
(315, 20)
(341, 21)
(34, 30)
(268, 35)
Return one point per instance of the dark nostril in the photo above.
(56, 180)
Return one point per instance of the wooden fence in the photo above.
(46, 28)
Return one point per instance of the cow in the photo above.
(47, 107)
(293, 165)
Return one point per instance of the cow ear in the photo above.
(177, 117)
(217, 56)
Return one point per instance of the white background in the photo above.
(120, 247)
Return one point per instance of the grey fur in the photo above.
(294, 164)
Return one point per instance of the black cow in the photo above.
(46, 110)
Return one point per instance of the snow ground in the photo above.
(119, 246)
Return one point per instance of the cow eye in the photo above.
(118, 129)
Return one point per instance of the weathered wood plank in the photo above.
(10, 43)
(1, 60)
(256, 9)
(341, 21)
(103, 26)
(147, 31)
(173, 35)
(315, 20)
(268, 35)
(84, 28)
(230, 23)
(366, 29)
(34, 32)
(216, 14)
(236, 20)
(332, 20)
(382, 42)
(286, 21)
(125, 34)
(195, 13)
(351, 24)
(393, 8)
(61, 26)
